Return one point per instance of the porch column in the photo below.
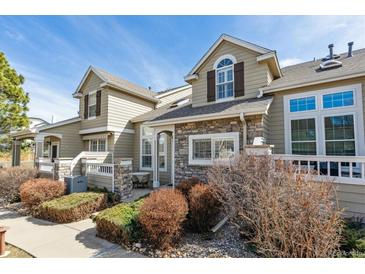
(155, 159)
(173, 159)
(15, 157)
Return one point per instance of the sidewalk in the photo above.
(44, 239)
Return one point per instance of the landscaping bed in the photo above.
(73, 207)
(225, 243)
(118, 224)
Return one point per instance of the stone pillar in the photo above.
(62, 168)
(123, 184)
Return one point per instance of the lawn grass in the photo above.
(73, 207)
(119, 223)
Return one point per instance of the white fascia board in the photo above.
(85, 77)
(198, 118)
(236, 41)
(311, 83)
(61, 123)
(267, 56)
(190, 77)
(107, 128)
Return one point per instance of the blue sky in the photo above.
(53, 52)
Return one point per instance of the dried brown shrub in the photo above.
(285, 214)
(34, 192)
(185, 185)
(10, 180)
(204, 207)
(73, 207)
(161, 217)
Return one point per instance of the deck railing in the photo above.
(102, 169)
(341, 169)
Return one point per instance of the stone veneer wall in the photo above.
(183, 170)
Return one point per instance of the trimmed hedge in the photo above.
(119, 223)
(161, 217)
(37, 191)
(73, 207)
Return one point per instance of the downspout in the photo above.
(244, 129)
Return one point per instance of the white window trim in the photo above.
(319, 113)
(164, 154)
(97, 145)
(234, 60)
(212, 137)
(152, 150)
(88, 106)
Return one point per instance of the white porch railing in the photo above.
(87, 154)
(46, 167)
(99, 169)
(341, 169)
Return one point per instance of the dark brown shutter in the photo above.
(86, 106)
(98, 102)
(211, 86)
(239, 80)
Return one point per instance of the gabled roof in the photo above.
(234, 40)
(308, 73)
(117, 83)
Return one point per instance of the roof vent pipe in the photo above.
(350, 44)
(330, 46)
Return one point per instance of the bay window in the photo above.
(205, 149)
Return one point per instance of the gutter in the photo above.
(305, 84)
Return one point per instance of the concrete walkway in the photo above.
(44, 239)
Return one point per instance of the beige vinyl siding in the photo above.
(352, 198)
(174, 97)
(122, 107)
(123, 145)
(92, 83)
(276, 111)
(71, 143)
(100, 181)
(255, 74)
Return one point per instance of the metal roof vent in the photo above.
(329, 61)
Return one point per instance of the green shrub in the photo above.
(119, 224)
(37, 191)
(353, 239)
(73, 207)
(113, 198)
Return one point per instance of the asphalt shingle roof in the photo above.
(124, 84)
(308, 72)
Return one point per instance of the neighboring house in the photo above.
(238, 98)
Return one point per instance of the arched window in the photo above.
(224, 78)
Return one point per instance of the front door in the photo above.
(54, 152)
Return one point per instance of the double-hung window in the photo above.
(92, 105)
(303, 136)
(224, 79)
(207, 148)
(97, 145)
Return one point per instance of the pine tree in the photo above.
(13, 98)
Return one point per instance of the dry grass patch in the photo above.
(73, 207)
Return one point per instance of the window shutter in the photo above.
(239, 80)
(86, 106)
(98, 102)
(211, 86)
